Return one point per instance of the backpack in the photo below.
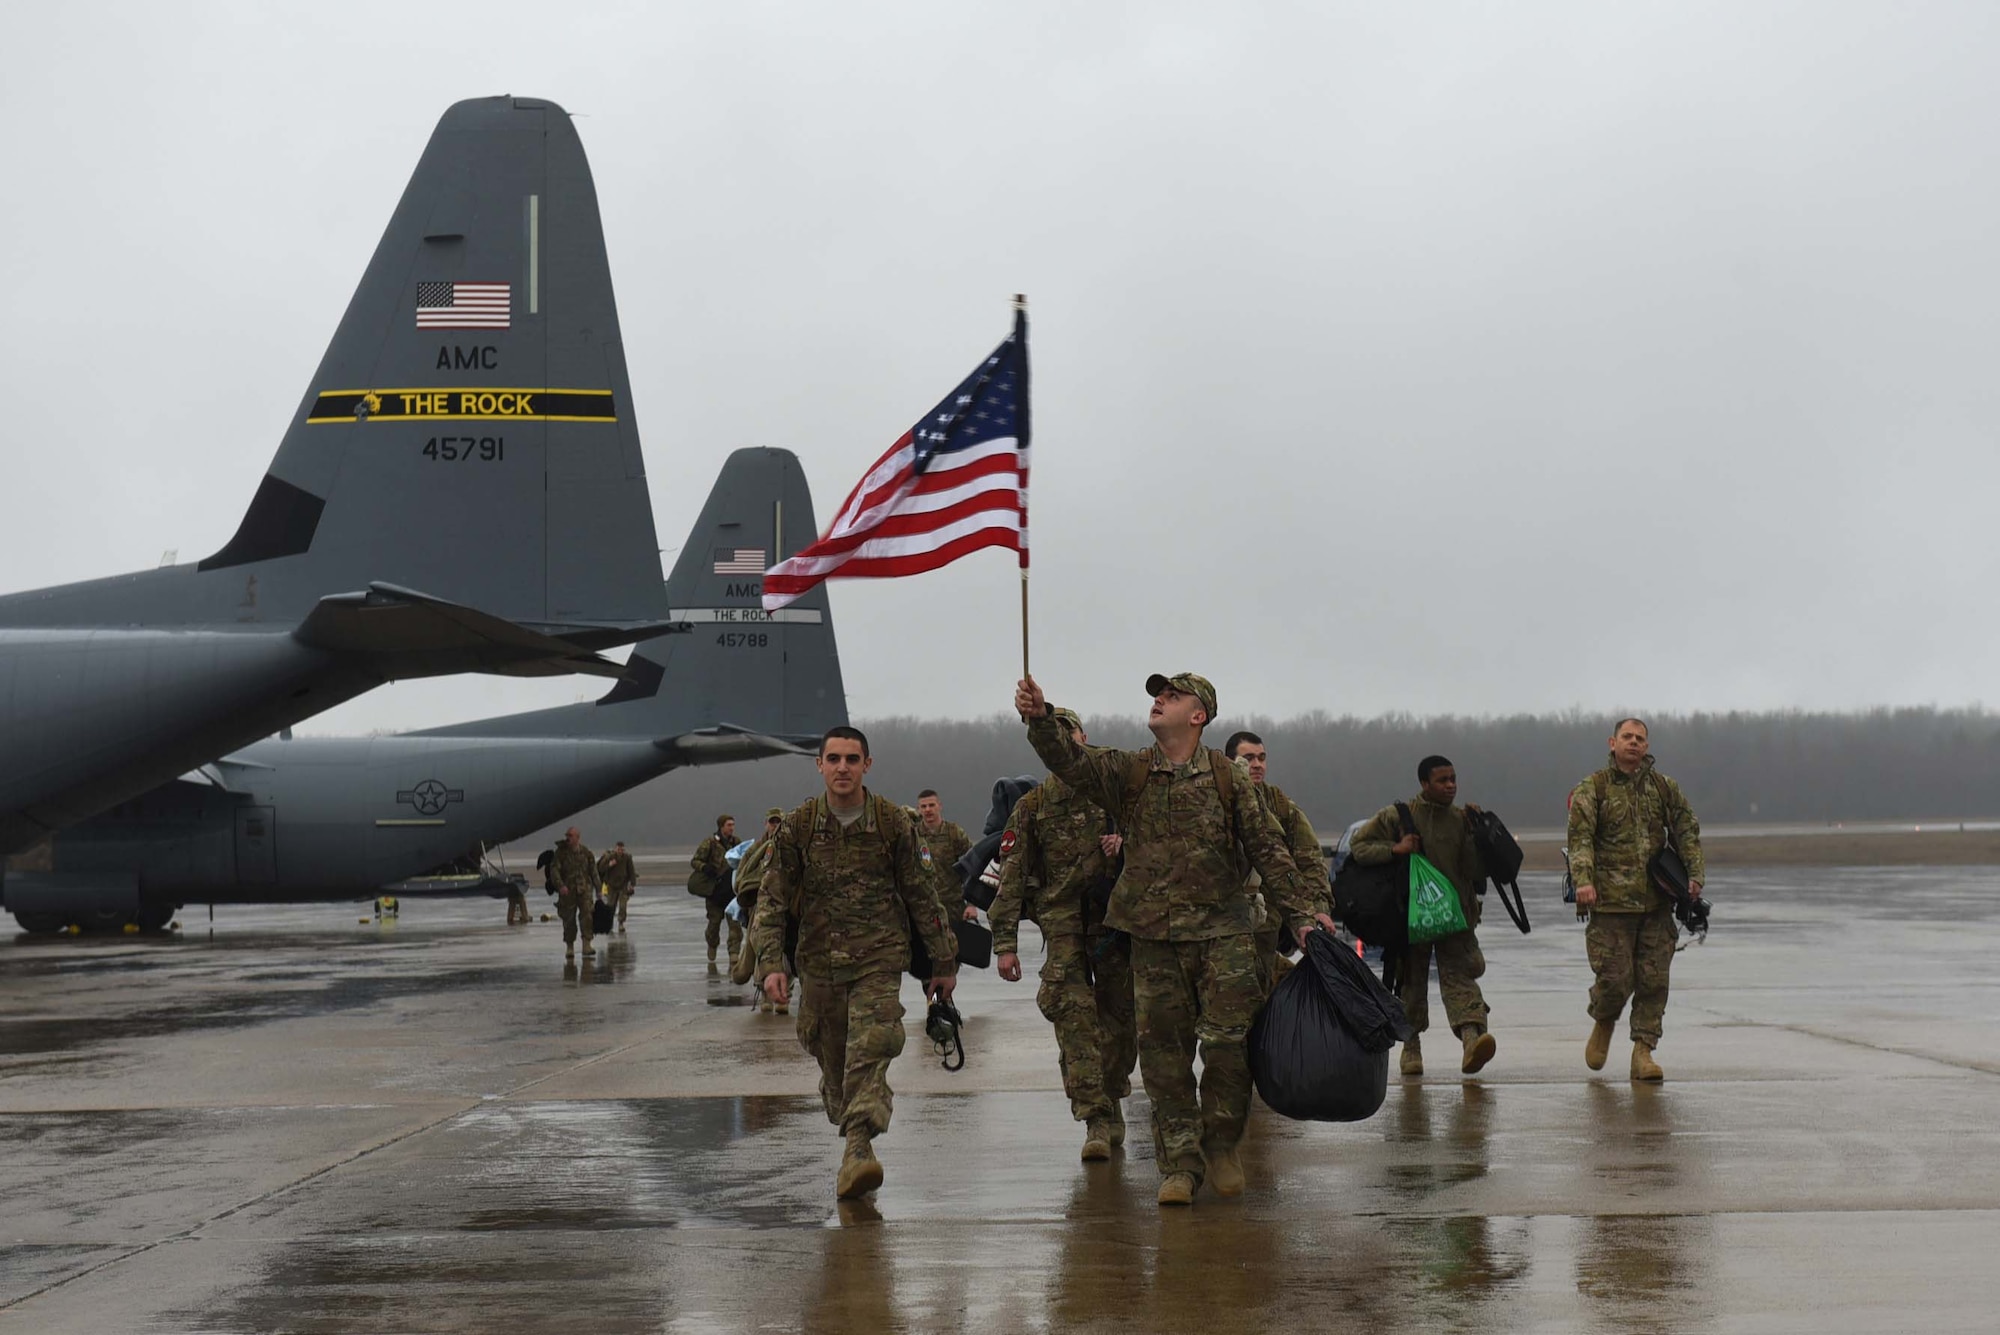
(1502, 856)
(1140, 763)
(1372, 900)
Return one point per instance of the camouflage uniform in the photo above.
(856, 891)
(1180, 898)
(1460, 963)
(1057, 875)
(750, 869)
(943, 847)
(711, 878)
(1303, 842)
(620, 878)
(574, 871)
(1616, 824)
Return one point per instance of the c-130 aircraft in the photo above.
(338, 818)
(461, 489)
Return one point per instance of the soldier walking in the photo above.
(1180, 898)
(847, 867)
(573, 870)
(1442, 837)
(620, 879)
(945, 842)
(750, 869)
(1248, 750)
(710, 880)
(1619, 818)
(1061, 858)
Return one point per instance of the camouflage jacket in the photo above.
(750, 869)
(711, 866)
(1617, 821)
(942, 850)
(1303, 842)
(1053, 871)
(617, 872)
(855, 890)
(1447, 846)
(574, 870)
(1181, 881)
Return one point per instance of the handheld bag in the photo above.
(601, 916)
(1501, 853)
(1319, 1050)
(1372, 899)
(1434, 907)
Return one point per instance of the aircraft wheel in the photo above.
(154, 917)
(41, 924)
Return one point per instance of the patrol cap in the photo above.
(1189, 684)
(1068, 718)
(775, 813)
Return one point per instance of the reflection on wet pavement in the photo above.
(436, 1124)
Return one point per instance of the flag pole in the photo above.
(1020, 316)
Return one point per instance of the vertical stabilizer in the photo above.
(470, 431)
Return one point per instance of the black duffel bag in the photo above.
(1319, 1050)
(975, 949)
(601, 917)
(1501, 853)
(1372, 900)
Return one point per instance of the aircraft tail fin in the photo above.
(470, 430)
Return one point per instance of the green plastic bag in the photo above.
(1434, 907)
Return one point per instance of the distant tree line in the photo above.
(1881, 764)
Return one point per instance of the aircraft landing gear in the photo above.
(40, 924)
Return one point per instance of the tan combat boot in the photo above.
(1096, 1140)
(1116, 1123)
(1177, 1189)
(1225, 1172)
(1479, 1049)
(860, 1170)
(1413, 1057)
(1599, 1045)
(1643, 1065)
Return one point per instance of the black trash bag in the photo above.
(601, 915)
(1319, 1050)
(1006, 793)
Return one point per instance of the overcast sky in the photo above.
(1441, 358)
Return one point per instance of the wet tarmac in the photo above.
(306, 1124)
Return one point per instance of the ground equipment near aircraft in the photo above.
(344, 818)
(475, 386)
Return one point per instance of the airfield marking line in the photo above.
(185, 1234)
(1977, 1067)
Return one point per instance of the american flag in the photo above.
(955, 482)
(739, 560)
(463, 305)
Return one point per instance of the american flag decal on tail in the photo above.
(463, 305)
(739, 561)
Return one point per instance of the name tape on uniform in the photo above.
(434, 405)
(797, 616)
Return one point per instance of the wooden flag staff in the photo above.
(1021, 307)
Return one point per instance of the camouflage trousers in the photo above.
(1189, 992)
(854, 1030)
(574, 910)
(1461, 964)
(716, 917)
(1631, 954)
(620, 900)
(1097, 1041)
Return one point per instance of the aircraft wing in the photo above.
(419, 635)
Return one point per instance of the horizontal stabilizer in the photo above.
(414, 634)
(726, 742)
